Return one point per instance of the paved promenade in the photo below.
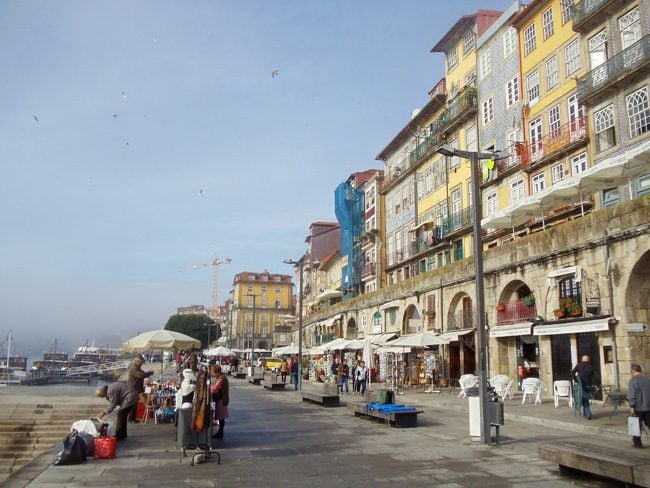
(274, 439)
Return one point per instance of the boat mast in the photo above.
(8, 348)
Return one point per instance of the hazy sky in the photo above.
(140, 137)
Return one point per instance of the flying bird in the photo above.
(123, 95)
(275, 72)
(35, 118)
(201, 192)
(115, 115)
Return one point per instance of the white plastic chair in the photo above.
(532, 387)
(502, 385)
(466, 381)
(562, 389)
(507, 389)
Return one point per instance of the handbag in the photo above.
(73, 452)
(634, 426)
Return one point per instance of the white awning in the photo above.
(518, 329)
(327, 295)
(572, 327)
(381, 338)
(453, 335)
(387, 305)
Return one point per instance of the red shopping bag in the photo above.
(106, 447)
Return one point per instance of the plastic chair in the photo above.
(562, 389)
(507, 389)
(466, 381)
(532, 387)
(502, 385)
(149, 406)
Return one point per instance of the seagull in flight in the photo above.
(275, 72)
(123, 95)
(35, 118)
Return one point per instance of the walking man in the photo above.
(639, 399)
(294, 373)
(344, 376)
(584, 372)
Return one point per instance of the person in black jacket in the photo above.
(584, 372)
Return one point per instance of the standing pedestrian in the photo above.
(361, 377)
(638, 397)
(344, 376)
(586, 379)
(119, 395)
(136, 379)
(220, 391)
(284, 369)
(334, 370)
(294, 373)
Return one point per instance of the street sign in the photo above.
(637, 327)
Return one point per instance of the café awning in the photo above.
(453, 335)
(573, 327)
(510, 330)
(391, 304)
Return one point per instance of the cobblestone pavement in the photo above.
(275, 439)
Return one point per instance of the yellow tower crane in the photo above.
(215, 263)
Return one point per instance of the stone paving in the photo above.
(275, 439)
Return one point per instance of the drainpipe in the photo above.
(610, 289)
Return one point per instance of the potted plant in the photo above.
(559, 313)
(529, 300)
(575, 309)
(566, 303)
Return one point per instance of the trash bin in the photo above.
(496, 413)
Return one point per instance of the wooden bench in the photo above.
(321, 397)
(631, 466)
(273, 385)
(408, 418)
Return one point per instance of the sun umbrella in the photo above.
(220, 351)
(160, 339)
(423, 339)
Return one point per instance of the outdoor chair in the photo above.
(466, 381)
(562, 389)
(532, 387)
(149, 405)
(502, 385)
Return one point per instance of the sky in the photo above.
(138, 139)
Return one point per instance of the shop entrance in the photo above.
(561, 354)
(528, 357)
(587, 343)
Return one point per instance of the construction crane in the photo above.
(216, 262)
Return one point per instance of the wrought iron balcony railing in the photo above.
(461, 320)
(515, 311)
(553, 143)
(615, 70)
(590, 12)
(457, 221)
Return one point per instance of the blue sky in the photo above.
(137, 138)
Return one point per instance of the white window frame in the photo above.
(469, 42)
(512, 92)
(488, 111)
(557, 173)
(509, 41)
(572, 61)
(530, 42)
(552, 73)
(579, 163)
(485, 63)
(605, 128)
(532, 87)
(452, 58)
(471, 138)
(491, 202)
(629, 26)
(554, 121)
(517, 190)
(567, 7)
(638, 112)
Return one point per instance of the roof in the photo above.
(482, 18)
(526, 12)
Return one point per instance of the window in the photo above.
(547, 23)
(264, 288)
(557, 173)
(535, 136)
(452, 59)
(572, 58)
(532, 84)
(509, 41)
(470, 78)
(554, 121)
(439, 173)
(630, 27)
(638, 112)
(604, 128)
(264, 302)
(611, 197)
(250, 302)
(488, 111)
(552, 73)
(455, 160)
(570, 288)
(278, 289)
(530, 43)
(458, 250)
(538, 183)
(579, 163)
(250, 288)
(567, 10)
(512, 91)
(278, 304)
(517, 190)
(485, 63)
(491, 203)
(643, 185)
(428, 179)
(469, 41)
(470, 138)
(598, 49)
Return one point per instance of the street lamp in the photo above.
(254, 295)
(209, 325)
(474, 158)
(301, 265)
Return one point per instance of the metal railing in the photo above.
(555, 141)
(461, 320)
(514, 311)
(457, 221)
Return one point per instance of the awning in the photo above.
(427, 224)
(518, 329)
(573, 327)
(387, 305)
(381, 338)
(453, 335)
(327, 295)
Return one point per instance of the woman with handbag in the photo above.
(220, 396)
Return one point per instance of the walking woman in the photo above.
(284, 369)
(220, 396)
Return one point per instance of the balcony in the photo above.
(565, 139)
(515, 311)
(457, 221)
(615, 73)
(368, 269)
(461, 320)
(590, 13)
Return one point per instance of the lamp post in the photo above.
(301, 265)
(254, 295)
(474, 158)
(209, 325)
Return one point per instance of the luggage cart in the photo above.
(189, 439)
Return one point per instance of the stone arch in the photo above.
(515, 303)
(351, 329)
(460, 314)
(637, 309)
(412, 322)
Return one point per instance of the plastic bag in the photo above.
(634, 426)
(73, 451)
(86, 427)
(90, 444)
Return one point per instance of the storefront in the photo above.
(518, 335)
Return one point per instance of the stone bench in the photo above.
(325, 394)
(273, 385)
(407, 418)
(630, 466)
(255, 379)
(238, 374)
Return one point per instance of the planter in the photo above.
(559, 314)
(576, 312)
(529, 302)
